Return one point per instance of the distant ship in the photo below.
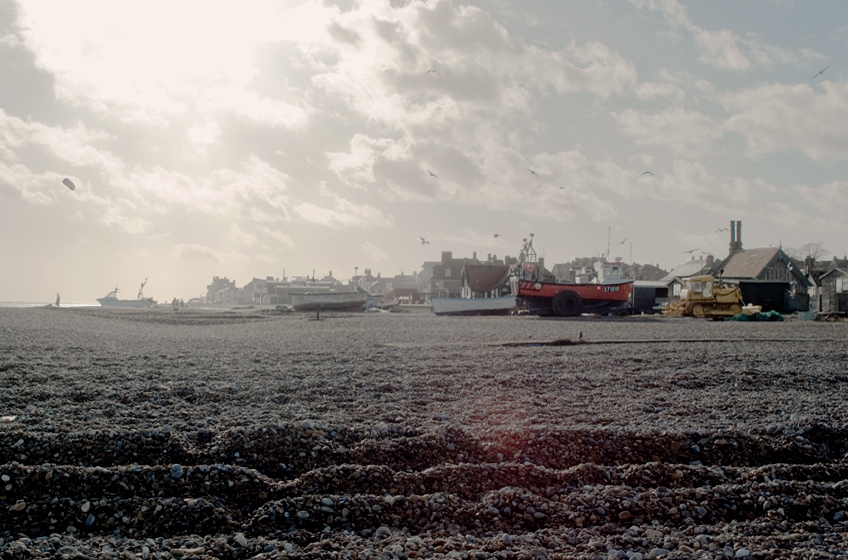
(111, 299)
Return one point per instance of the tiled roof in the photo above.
(749, 263)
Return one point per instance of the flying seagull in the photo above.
(436, 71)
(692, 250)
(722, 229)
(432, 174)
(496, 235)
(648, 173)
(531, 171)
(622, 241)
(423, 241)
(821, 72)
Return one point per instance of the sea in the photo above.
(46, 303)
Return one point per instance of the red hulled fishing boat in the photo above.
(540, 294)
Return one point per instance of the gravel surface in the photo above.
(249, 434)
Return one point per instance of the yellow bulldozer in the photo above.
(702, 297)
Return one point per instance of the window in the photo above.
(447, 273)
(841, 286)
(696, 287)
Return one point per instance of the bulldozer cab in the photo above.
(698, 287)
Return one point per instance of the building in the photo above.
(814, 270)
(446, 280)
(834, 285)
(766, 275)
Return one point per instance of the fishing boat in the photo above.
(539, 293)
(111, 299)
(329, 301)
(473, 306)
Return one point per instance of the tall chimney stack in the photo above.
(735, 236)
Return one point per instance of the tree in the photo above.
(814, 251)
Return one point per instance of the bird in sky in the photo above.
(496, 235)
(648, 173)
(423, 241)
(722, 229)
(432, 174)
(531, 171)
(820, 72)
(436, 72)
(690, 251)
(622, 241)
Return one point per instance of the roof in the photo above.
(691, 268)
(485, 277)
(750, 262)
(839, 270)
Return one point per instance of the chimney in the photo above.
(446, 256)
(735, 237)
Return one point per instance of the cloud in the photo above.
(149, 71)
(792, 117)
(722, 48)
(831, 199)
(197, 253)
(684, 133)
(204, 135)
(343, 213)
(374, 253)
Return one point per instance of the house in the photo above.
(695, 267)
(814, 270)
(221, 290)
(446, 280)
(766, 275)
(834, 284)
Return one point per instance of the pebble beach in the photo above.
(245, 433)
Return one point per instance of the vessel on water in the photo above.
(329, 301)
(111, 299)
(539, 293)
(473, 306)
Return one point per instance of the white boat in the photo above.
(378, 301)
(329, 301)
(473, 306)
(111, 299)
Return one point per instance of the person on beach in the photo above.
(57, 300)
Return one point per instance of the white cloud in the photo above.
(792, 117)
(722, 48)
(197, 253)
(374, 252)
(146, 71)
(654, 90)
(719, 49)
(343, 213)
(831, 199)
(682, 132)
(204, 135)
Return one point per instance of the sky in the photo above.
(255, 139)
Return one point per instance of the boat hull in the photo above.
(335, 301)
(474, 306)
(114, 302)
(564, 300)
